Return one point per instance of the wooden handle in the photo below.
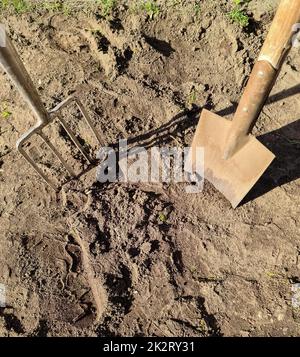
(283, 28)
(14, 67)
(263, 76)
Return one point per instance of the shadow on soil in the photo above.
(284, 143)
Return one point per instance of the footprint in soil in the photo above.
(134, 125)
(119, 289)
(12, 323)
(114, 60)
(160, 46)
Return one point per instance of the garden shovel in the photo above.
(234, 160)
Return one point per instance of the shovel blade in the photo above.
(233, 177)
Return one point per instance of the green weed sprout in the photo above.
(152, 8)
(238, 13)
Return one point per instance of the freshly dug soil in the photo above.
(143, 259)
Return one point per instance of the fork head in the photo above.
(55, 114)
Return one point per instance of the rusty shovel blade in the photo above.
(235, 176)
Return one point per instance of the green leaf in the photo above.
(6, 114)
(162, 217)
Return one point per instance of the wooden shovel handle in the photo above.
(283, 28)
(263, 75)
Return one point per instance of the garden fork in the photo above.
(13, 66)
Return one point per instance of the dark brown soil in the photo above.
(99, 260)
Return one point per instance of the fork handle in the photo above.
(15, 69)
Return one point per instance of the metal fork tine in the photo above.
(89, 121)
(74, 139)
(36, 168)
(14, 67)
(57, 154)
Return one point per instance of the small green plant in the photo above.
(152, 8)
(241, 2)
(197, 9)
(238, 14)
(202, 326)
(193, 269)
(162, 217)
(5, 113)
(55, 6)
(239, 17)
(21, 6)
(174, 3)
(107, 6)
(52, 6)
(4, 4)
(193, 96)
(65, 7)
